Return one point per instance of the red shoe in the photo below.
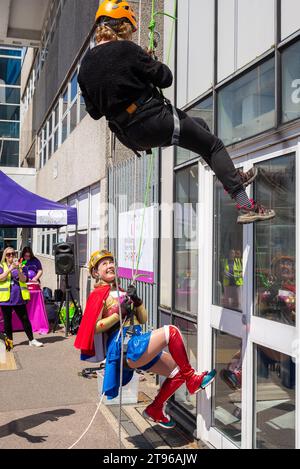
(199, 381)
(195, 382)
(158, 415)
(156, 410)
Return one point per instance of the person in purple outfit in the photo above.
(14, 295)
(33, 267)
(36, 306)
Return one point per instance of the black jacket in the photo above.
(115, 74)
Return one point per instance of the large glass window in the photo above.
(228, 252)
(9, 113)
(8, 237)
(10, 71)
(9, 129)
(189, 333)
(9, 95)
(202, 111)
(291, 83)
(9, 153)
(247, 106)
(186, 240)
(11, 52)
(275, 242)
(227, 405)
(274, 400)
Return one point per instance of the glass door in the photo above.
(249, 311)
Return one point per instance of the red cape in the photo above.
(85, 336)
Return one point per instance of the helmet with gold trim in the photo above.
(98, 256)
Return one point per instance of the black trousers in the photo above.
(21, 312)
(157, 130)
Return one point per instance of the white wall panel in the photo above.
(290, 17)
(182, 52)
(255, 29)
(226, 37)
(201, 47)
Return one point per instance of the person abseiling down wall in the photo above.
(144, 351)
(121, 81)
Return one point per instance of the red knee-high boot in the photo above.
(194, 381)
(156, 410)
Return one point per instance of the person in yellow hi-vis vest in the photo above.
(13, 296)
(233, 279)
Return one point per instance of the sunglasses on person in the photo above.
(10, 254)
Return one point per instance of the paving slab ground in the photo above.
(45, 404)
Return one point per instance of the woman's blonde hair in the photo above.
(106, 33)
(5, 253)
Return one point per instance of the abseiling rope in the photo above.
(152, 47)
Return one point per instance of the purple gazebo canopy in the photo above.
(21, 208)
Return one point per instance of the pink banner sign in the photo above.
(143, 275)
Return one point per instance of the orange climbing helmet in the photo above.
(116, 10)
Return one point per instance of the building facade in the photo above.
(232, 289)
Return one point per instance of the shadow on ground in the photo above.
(20, 426)
(174, 438)
(44, 340)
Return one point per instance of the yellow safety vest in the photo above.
(5, 287)
(237, 272)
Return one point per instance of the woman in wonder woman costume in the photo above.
(99, 336)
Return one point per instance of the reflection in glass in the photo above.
(10, 71)
(291, 83)
(64, 129)
(9, 113)
(10, 129)
(9, 153)
(202, 110)
(82, 108)
(74, 87)
(50, 148)
(48, 245)
(247, 106)
(189, 333)
(73, 118)
(9, 95)
(186, 240)
(275, 400)
(275, 242)
(82, 247)
(227, 405)
(55, 141)
(65, 100)
(11, 52)
(228, 252)
(6, 235)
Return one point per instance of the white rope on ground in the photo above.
(90, 424)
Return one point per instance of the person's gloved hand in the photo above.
(126, 308)
(132, 294)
